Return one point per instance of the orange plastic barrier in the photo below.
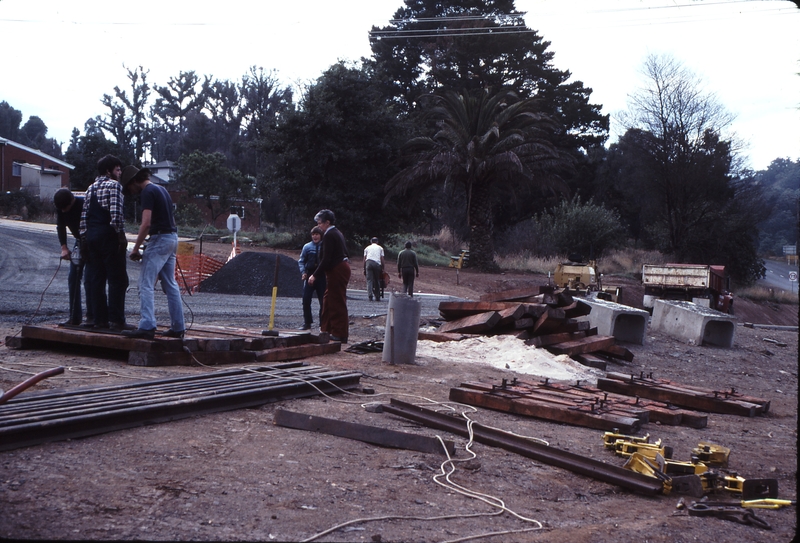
(194, 269)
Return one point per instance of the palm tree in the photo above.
(483, 140)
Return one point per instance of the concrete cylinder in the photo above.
(402, 328)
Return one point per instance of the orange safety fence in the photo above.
(194, 269)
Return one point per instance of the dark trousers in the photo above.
(74, 283)
(308, 294)
(374, 279)
(106, 265)
(408, 280)
(335, 319)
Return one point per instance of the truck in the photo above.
(583, 279)
(706, 285)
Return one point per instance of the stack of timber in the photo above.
(541, 316)
(577, 404)
(30, 419)
(729, 402)
(203, 345)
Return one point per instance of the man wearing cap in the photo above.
(373, 268)
(158, 260)
(102, 233)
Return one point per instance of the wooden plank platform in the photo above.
(203, 344)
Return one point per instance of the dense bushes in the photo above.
(21, 203)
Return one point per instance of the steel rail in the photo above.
(85, 408)
(138, 384)
(541, 453)
(111, 398)
(28, 433)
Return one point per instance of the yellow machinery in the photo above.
(582, 278)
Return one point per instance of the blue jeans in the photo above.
(158, 261)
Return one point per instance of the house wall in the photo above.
(10, 154)
(40, 183)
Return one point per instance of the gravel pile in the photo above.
(253, 274)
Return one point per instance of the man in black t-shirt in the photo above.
(158, 260)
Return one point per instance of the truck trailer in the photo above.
(702, 284)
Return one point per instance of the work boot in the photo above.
(140, 333)
(120, 326)
(306, 327)
(175, 334)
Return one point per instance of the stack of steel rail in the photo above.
(52, 416)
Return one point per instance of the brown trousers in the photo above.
(335, 319)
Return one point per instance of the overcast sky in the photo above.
(60, 57)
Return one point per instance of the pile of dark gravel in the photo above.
(253, 274)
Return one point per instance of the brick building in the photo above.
(22, 167)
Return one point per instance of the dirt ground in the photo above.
(236, 476)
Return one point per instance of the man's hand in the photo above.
(136, 256)
(311, 280)
(123, 242)
(65, 254)
(304, 277)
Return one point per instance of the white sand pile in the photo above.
(509, 353)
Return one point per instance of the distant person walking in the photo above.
(373, 268)
(68, 216)
(407, 268)
(308, 262)
(103, 228)
(158, 260)
(335, 265)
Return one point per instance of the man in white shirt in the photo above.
(373, 269)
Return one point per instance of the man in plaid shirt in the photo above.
(103, 235)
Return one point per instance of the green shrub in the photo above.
(188, 215)
(21, 203)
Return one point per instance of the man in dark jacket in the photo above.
(407, 268)
(335, 264)
(68, 216)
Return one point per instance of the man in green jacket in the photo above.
(407, 268)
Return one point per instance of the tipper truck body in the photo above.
(702, 284)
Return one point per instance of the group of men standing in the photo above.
(97, 222)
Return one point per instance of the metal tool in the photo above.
(610, 438)
(652, 468)
(711, 454)
(727, 511)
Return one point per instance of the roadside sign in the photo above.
(234, 223)
(792, 276)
